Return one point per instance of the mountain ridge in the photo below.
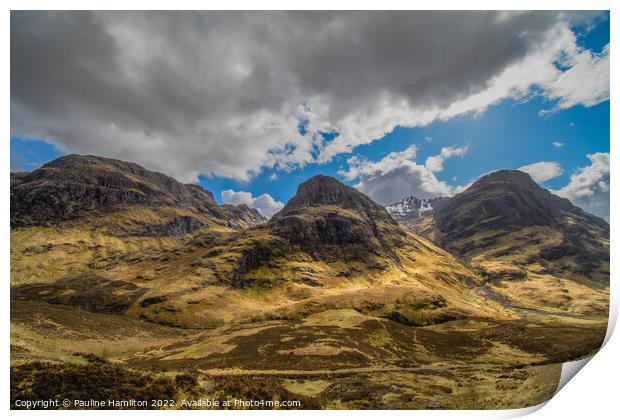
(327, 234)
(72, 185)
(329, 237)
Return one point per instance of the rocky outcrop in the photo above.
(330, 227)
(259, 253)
(324, 190)
(178, 226)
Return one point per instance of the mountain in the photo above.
(242, 216)
(128, 276)
(114, 226)
(327, 217)
(411, 208)
(88, 230)
(507, 201)
(539, 249)
(416, 214)
(75, 186)
(506, 215)
(324, 190)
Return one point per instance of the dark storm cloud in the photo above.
(223, 92)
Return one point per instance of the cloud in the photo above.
(435, 163)
(586, 82)
(263, 203)
(395, 176)
(557, 144)
(589, 186)
(361, 166)
(225, 93)
(543, 171)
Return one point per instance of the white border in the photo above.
(593, 394)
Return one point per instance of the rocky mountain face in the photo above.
(73, 186)
(534, 248)
(241, 216)
(411, 208)
(507, 201)
(326, 213)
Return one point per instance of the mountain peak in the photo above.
(75, 160)
(322, 190)
(326, 212)
(509, 176)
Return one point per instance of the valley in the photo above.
(127, 281)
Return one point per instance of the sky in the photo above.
(250, 104)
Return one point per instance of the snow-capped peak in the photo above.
(411, 207)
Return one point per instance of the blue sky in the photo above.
(509, 133)
(507, 136)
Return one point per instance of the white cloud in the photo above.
(543, 171)
(395, 176)
(435, 163)
(223, 93)
(589, 186)
(263, 203)
(557, 144)
(516, 81)
(359, 167)
(585, 83)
